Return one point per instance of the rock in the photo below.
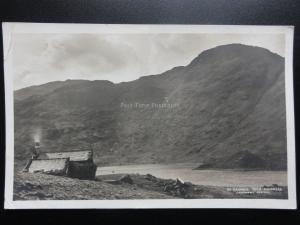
(150, 177)
(39, 195)
(28, 184)
(179, 182)
(188, 184)
(126, 179)
(112, 181)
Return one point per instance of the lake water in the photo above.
(184, 171)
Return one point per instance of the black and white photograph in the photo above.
(149, 116)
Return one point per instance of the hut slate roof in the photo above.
(53, 166)
(81, 155)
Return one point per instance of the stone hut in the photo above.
(75, 164)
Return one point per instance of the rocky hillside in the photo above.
(225, 109)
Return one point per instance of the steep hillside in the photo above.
(227, 105)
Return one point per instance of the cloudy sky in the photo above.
(41, 58)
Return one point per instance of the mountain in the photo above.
(223, 110)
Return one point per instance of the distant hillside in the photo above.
(227, 107)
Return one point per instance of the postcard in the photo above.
(149, 116)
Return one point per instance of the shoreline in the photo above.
(214, 177)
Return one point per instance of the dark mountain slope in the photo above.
(229, 99)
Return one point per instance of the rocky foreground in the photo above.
(123, 186)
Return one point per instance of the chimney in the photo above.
(37, 147)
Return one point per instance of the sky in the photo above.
(40, 58)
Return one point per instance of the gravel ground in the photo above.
(39, 186)
(48, 187)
